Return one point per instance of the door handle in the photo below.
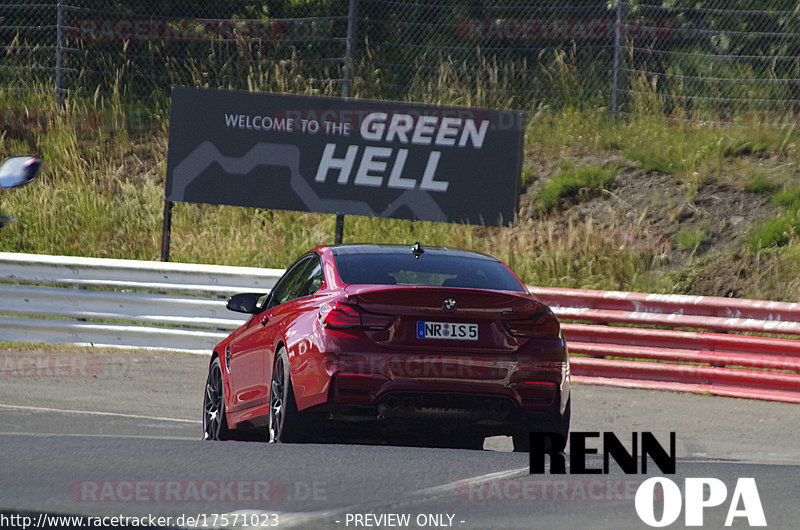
(264, 321)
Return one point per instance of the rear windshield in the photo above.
(433, 270)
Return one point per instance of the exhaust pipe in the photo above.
(352, 418)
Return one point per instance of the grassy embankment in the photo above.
(102, 189)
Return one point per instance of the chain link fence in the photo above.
(141, 48)
(716, 62)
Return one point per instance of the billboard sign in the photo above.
(344, 156)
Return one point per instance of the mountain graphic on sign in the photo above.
(419, 202)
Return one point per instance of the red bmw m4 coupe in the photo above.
(429, 346)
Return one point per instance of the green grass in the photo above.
(789, 197)
(760, 183)
(772, 232)
(101, 192)
(45, 347)
(784, 227)
(573, 182)
(528, 174)
(653, 143)
(744, 148)
(691, 238)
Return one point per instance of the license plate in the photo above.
(447, 330)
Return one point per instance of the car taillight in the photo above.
(538, 325)
(341, 316)
(375, 321)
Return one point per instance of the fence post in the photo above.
(352, 14)
(60, 52)
(618, 36)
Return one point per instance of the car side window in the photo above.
(282, 290)
(309, 281)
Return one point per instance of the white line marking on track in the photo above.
(77, 435)
(306, 519)
(98, 413)
(455, 485)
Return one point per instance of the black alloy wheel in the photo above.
(284, 420)
(215, 426)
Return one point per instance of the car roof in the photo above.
(367, 248)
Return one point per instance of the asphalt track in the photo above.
(120, 434)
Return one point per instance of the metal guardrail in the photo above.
(111, 302)
(725, 364)
(108, 302)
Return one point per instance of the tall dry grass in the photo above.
(101, 193)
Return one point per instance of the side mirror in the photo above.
(244, 302)
(19, 170)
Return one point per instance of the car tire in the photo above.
(215, 423)
(285, 424)
(560, 425)
(522, 441)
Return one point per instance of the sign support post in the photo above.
(166, 230)
(339, 229)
